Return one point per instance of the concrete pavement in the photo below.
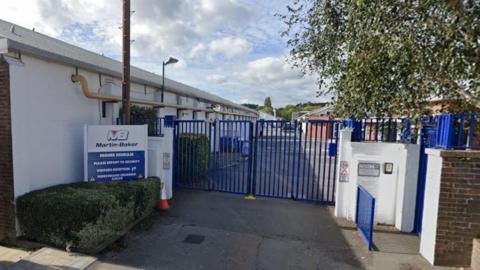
(209, 230)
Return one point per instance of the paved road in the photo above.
(233, 233)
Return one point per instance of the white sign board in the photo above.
(371, 169)
(344, 171)
(113, 153)
(166, 161)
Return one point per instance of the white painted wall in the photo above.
(157, 146)
(395, 193)
(430, 209)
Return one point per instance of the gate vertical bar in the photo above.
(335, 161)
(283, 153)
(320, 162)
(270, 139)
(209, 126)
(314, 160)
(175, 154)
(299, 161)
(324, 162)
(329, 138)
(288, 165)
(293, 159)
(252, 156)
(275, 155)
(261, 183)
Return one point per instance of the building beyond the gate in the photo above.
(43, 112)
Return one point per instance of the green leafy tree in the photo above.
(267, 105)
(388, 57)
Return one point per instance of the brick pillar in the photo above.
(458, 221)
(7, 209)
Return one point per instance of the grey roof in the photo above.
(34, 43)
(325, 110)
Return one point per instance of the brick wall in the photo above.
(459, 208)
(7, 212)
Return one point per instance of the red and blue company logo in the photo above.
(117, 135)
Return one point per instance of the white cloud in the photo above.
(197, 50)
(270, 69)
(274, 77)
(216, 78)
(230, 47)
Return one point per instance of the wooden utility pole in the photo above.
(126, 62)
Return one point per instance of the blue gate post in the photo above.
(174, 125)
(446, 131)
(427, 140)
(356, 125)
(251, 159)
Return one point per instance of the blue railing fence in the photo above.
(458, 131)
(387, 129)
(365, 215)
(453, 131)
(155, 125)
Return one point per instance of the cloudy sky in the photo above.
(231, 48)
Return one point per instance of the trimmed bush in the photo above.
(84, 216)
(192, 157)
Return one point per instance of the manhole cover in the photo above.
(194, 239)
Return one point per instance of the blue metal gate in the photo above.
(296, 160)
(365, 215)
(213, 156)
(283, 159)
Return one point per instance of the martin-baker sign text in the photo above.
(115, 153)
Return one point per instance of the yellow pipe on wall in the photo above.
(92, 95)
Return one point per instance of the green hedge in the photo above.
(83, 216)
(192, 157)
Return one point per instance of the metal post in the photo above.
(163, 81)
(126, 62)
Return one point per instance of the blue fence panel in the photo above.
(445, 134)
(365, 217)
(155, 125)
(458, 131)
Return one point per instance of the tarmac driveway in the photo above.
(209, 230)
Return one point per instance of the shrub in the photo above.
(140, 115)
(192, 157)
(84, 216)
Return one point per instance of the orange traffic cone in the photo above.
(163, 202)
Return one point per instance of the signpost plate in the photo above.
(371, 169)
(115, 153)
(344, 171)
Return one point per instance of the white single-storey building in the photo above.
(50, 89)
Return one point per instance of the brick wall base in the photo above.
(7, 208)
(459, 208)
